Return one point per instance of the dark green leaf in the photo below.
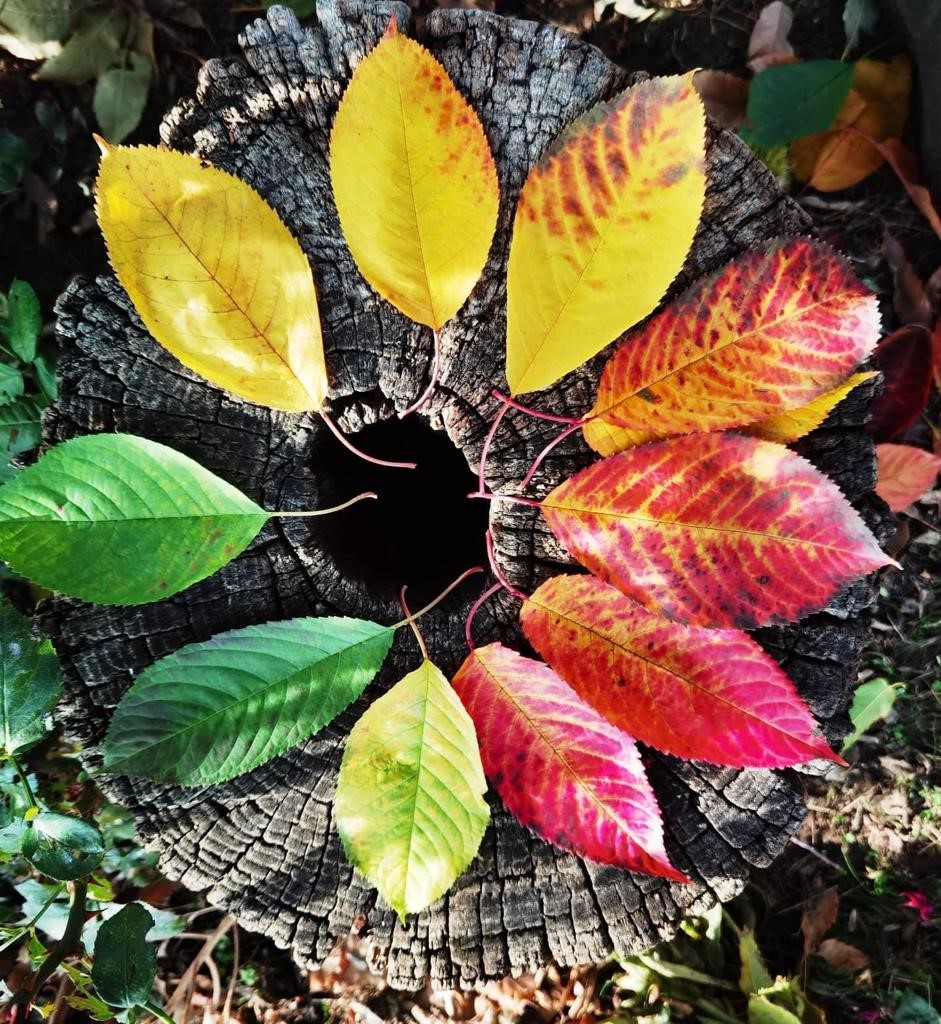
(789, 101)
(217, 709)
(45, 372)
(11, 383)
(36, 21)
(125, 964)
(19, 426)
(118, 519)
(14, 159)
(120, 97)
(93, 47)
(62, 846)
(24, 320)
(29, 682)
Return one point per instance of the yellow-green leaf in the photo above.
(409, 803)
(215, 275)
(792, 424)
(414, 181)
(603, 225)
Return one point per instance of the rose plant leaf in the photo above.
(560, 768)
(625, 180)
(709, 694)
(772, 330)
(714, 530)
(30, 682)
(118, 519)
(792, 424)
(904, 358)
(414, 181)
(215, 275)
(221, 707)
(409, 804)
(62, 846)
(125, 964)
(904, 474)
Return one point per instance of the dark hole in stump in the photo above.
(422, 531)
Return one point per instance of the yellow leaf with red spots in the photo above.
(604, 223)
(795, 423)
(771, 331)
(215, 275)
(414, 181)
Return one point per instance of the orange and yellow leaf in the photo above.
(771, 331)
(414, 181)
(603, 226)
(215, 275)
(904, 474)
(793, 424)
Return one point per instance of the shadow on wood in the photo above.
(264, 845)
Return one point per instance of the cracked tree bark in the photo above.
(264, 845)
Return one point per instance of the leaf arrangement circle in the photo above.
(693, 510)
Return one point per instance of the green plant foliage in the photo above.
(62, 846)
(216, 709)
(871, 703)
(120, 98)
(36, 21)
(859, 16)
(912, 1009)
(29, 682)
(409, 803)
(14, 159)
(12, 384)
(754, 975)
(20, 431)
(125, 963)
(92, 48)
(789, 101)
(23, 321)
(121, 520)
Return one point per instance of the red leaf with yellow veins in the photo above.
(561, 768)
(710, 694)
(771, 331)
(714, 530)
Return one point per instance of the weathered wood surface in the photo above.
(264, 845)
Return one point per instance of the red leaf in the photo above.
(771, 331)
(904, 474)
(710, 694)
(563, 770)
(714, 530)
(904, 358)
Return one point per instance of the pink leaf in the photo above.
(904, 474)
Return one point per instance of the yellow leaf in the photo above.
(603, 225)
(414, 181)
(877, 106)
(214, 274)
(791, 424)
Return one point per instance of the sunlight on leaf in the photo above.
(409, 803)
(29, 682)
(793, 424)
(414, 181)
(215, 275)
(603, 225)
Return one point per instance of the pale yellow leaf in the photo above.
(414, 181)
(792, 424)
(215, 275)
(603, 226)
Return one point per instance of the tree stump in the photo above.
(264, 845)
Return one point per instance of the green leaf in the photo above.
(216, 709)
(45, 372)
(761, 1010)
(62, 846)
(789, 101)
(29, 682)
(120, 97)
(302, 8)
(24, 320)
(14, 159)
(125, 964)
(20, 430)
(754, 975)
(912, 1009)
(118, 519)
(11, 382)
(409, 803)
(859, 16)
(871, 703)
(93, 47)
(36, 21)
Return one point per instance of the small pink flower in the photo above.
(868, 1016)
(919, 901)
